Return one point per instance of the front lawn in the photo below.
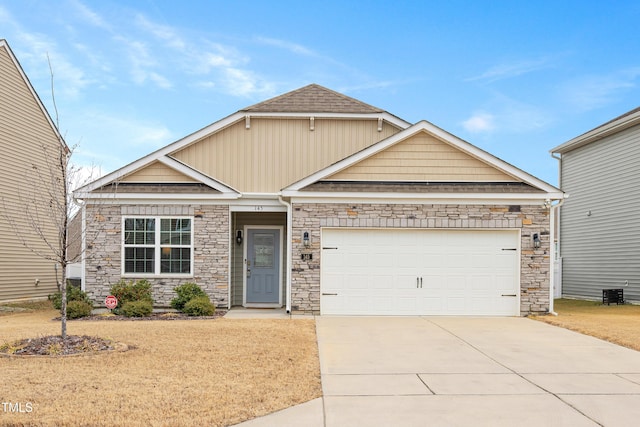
(213, 372)
(618, 324)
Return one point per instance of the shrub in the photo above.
(77, 309)
(74, 293)
(130, 292)
(199, 306)
(186, 293)
(141, 308)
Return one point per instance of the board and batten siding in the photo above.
(24, 131)
(274, 153)
(422, 157)
(239, 221)
(600, 221)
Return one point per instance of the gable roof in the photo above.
(5, 45)
(312, 98)
(424, 126)
(177, 166)
(309, 101)
(620, 123)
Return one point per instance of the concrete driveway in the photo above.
(456, 371)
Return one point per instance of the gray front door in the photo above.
(263, 266)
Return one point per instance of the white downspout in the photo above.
(552, 255)
(289, 252)
(83, 247)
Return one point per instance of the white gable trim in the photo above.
(198, 176)
(345, 116)
(438, 133)
(226, 192)
(3, 43)
(161, 153)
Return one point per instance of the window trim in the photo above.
(157, 247)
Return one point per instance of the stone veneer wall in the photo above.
(534, 263)
(104, 250)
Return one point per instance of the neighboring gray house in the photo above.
(600, 221)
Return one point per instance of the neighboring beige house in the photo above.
(28, 141)
(599, 224)
(320, 203)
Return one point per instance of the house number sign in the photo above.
(258, 208)
(306, 257)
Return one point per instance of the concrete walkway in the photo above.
(456, 371)
(256, 313)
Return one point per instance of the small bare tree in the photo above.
(48, 207)
(45, 195)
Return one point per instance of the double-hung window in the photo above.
(157, 246)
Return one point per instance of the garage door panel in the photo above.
(455, 283)
(419, 271)
(434, 260)
(455, 305)
(481, 282)
(410, 259)
(381, 282)
(356, 282)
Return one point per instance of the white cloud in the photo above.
(90, 16)
(5, 16)
(162, 32)
(245, 83)
(512, 69)
(291, 47)
(159, 80)
(595, 91)
(143, 64)
(69, 80)
(116, 132)
(507, 116)
(479, 122)
(206, 84)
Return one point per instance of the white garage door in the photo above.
(419, 272)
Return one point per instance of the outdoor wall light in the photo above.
(305, 239)
(239, 237)
(536, 240)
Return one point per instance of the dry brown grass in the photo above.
(618, 324)
(182, 372)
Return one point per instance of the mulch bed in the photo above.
(54, 345)
(153, 316)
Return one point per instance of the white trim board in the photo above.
(423, 126)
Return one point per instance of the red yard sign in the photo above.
(111, 302)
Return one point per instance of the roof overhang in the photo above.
(434, 198)
(390, 118)
(225, 192)
(617, 125)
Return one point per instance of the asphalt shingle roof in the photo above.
(312, 99)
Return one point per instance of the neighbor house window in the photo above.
(156, 245)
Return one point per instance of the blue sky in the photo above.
(513, 78)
